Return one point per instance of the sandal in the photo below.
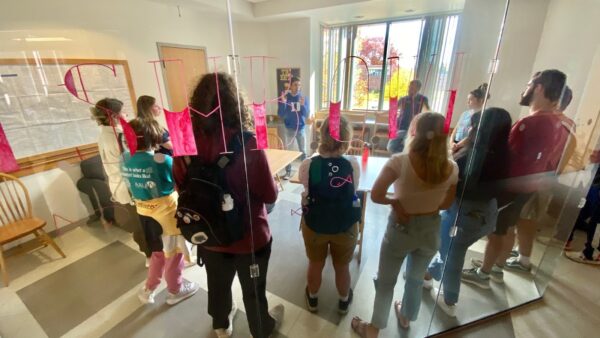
(359, 326)
(404, 323)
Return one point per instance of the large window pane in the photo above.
(403, 48)
(369, 44)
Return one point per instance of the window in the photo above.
(395, 53)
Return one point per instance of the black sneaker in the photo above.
(311, 303)
(344, 305)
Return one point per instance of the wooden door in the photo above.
(181, 79)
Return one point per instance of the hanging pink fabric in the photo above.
(181, 132)
(334, 120)
(130, 136)
(393, 118)
(260, 124)
(8, 163)
(450, 110)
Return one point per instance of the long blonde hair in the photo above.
(431, 144)
(328, 145)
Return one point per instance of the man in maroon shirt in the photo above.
(536, 145)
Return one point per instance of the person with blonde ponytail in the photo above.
(424, 180)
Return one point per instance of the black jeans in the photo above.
(99, 194)
(220, 271)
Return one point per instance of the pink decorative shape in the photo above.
(69, 80)
(450, 110)
(334, 120)
(338, 181)
(130, 136)
(393, 118)
(181, 132)
(260, 123)
(8, 163)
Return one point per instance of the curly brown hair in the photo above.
(205, 99)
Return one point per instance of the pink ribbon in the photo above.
(450, 110)
(130, 136)
(260, 123)
(8, 163)
(393, 118)
(181, 132)
(334, 120)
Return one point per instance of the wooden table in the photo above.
(279, 159)
(369, 172)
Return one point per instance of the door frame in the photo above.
(175, 45)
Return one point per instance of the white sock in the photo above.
(345, 299)
(524, 260)
(313, 295)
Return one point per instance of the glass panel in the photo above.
(369, 44)
(403, 49)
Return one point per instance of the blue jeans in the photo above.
(476, 219)
(418, 240)
(289, 135)
(396, 145)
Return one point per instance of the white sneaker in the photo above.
(277, 314)
(146, 296)
(226, 333)
(450, 310)
(186, 290)
(428, 284)
(147, 262)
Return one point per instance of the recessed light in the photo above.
(409, 10)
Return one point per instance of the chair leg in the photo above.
(278, 179)
(3, 267)
(50, 242)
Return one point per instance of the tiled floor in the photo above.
(568, 308)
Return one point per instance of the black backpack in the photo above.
(200, 215)
(333, 206)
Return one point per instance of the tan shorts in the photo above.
(536, 206)
(340, 245)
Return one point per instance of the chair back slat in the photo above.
(275, 142)
(15, 204)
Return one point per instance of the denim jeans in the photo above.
(476, 219)
(396, 145)
(418, 240)
(289, 135)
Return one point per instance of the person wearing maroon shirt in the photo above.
(222, 263)
(536, 145)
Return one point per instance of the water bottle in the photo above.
(365, 153)
(227, 204)
(355, 201)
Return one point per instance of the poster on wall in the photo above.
(8, 163)
(284, 75)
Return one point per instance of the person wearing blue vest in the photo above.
(293, 109)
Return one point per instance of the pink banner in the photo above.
(8, 163)
(334, 120)
(181, 132)
(260, 124)
(393, 118)
(450, 110)
(130, 136)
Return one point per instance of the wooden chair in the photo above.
(380, 137)
(275, 142)
(16, 220)
(356, 147)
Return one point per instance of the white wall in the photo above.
(478, 36)
(569, 42)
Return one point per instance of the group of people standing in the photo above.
(482, 177)
(442, 206)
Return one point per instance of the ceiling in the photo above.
(325, 11)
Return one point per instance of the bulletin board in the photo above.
(43, 122)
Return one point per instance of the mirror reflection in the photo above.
(272, 168)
